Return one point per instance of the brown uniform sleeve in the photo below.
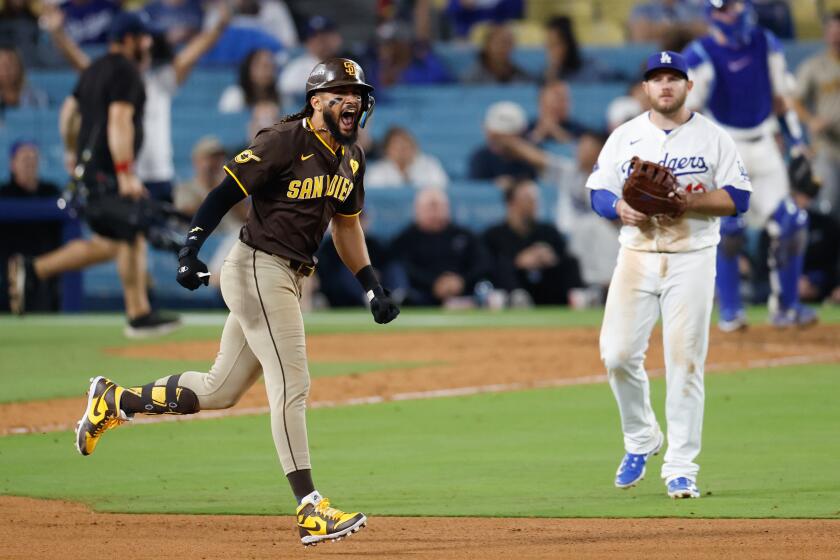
(263, 161)
(356, 200)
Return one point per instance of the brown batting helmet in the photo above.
(337, 72)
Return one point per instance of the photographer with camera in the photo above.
(102, 125)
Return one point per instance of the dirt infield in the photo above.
(461, 362)
(34, 529)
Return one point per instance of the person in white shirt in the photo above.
(665, 265)
(163, 73)
(624, 108)
(322, 41)
(404, 164)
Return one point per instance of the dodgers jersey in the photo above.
(737, 84)
(702, 156)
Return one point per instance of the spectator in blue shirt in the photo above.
(650, 21)
(463, 14)
(256, 24)
(405, 57)
(87, 22)
(180, 20)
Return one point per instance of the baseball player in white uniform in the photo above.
(742, 82)
(665, 265)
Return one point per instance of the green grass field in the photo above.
(65, 351)
(770, 440)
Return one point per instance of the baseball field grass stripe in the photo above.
(359, 318)
(345, 320)
(84, 352)
(762, 456)
(81, 351)
(208, 325)
(326, 370)
(731, 367)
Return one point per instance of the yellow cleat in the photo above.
(319, 522)
(102, 413)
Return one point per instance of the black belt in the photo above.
(299, 267)
(302, 268)
(753, 139)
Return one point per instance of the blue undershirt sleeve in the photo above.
(740, 197)
(603, 202)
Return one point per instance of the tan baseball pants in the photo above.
(263, 334)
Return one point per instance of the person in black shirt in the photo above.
(108, 100)
(20, 240)
(820, 278)
(24, 181)
(102, 124)
(442, 260)
(337, 283)
(529, 255)
(821, 273)
(490, 161)
(554, 122)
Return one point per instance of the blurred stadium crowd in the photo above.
(490, 115)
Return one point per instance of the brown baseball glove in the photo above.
(652, 189)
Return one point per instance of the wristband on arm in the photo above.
(370, 284)
(123, 166)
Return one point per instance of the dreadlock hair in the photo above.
(306, 112)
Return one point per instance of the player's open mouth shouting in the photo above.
(348, 118)
(343, 106)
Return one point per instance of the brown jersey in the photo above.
(297, 183)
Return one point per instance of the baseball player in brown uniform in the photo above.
(301, 174)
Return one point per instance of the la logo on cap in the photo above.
(665, 58)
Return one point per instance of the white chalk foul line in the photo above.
(457, 391)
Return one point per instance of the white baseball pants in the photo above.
(681, 286)
(768, 175)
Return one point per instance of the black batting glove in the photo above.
(382, 307)
(188, 268)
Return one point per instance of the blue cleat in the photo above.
(732, 321)
(796, 316)
(683, 487)
(632, 467)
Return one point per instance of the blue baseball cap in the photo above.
(318, 24)
(666, 60)
(128, 23)
(22, 143)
